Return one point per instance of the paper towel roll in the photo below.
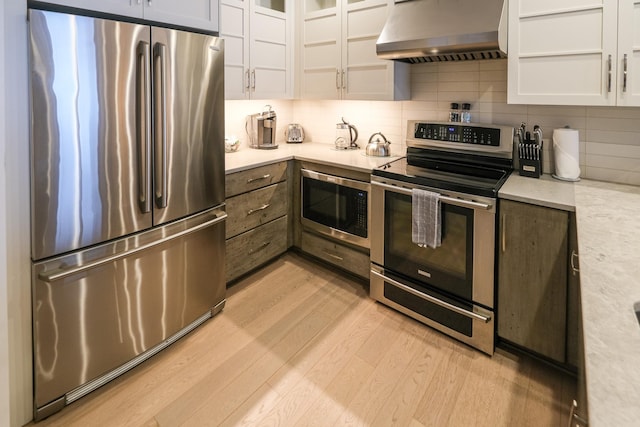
(566, 151)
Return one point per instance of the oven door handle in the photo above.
(450, 200)
(444, 304)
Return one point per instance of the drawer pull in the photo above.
(334, 256)
(574, 266)
(261, 208)
(259, 248)
(260, 178)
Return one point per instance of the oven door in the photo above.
(463, 266)
(336, 206)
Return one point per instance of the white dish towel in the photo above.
(426, 227)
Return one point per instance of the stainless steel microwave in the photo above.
(335, 206)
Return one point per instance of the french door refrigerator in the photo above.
(127, 195)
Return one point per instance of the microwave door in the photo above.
(188, 105)
(87, 84)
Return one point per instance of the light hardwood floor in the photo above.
(301, 345)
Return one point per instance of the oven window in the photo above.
(448, 267)
(337, 206)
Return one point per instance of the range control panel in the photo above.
(452, 132)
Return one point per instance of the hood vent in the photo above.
(419, 31)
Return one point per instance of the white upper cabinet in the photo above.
(199, 14)
(338, 52)
(574, 52)
(258, 47)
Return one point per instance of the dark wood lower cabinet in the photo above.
(532, 278)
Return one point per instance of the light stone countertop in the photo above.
(608, 223)
(544, 191)
(247, 158)
(608, 219)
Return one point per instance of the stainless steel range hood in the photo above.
(444, 30)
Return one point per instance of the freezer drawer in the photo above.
(98, 309)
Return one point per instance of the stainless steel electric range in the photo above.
(450, 287)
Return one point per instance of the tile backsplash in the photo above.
(609, 136)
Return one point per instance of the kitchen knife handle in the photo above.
(143, 119)
(609, 75)
(624, 74)
(159, 57)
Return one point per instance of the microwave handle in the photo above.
(346, 182)
(446, 199)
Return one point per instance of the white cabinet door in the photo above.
(339, 58)
(258, 48)
(562, 52)
(321, 71)
(132, 8)
(629, 52)
(234, 28)
(201, 14)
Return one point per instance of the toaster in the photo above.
(294, 133)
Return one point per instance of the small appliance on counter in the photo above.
(346, 136)
(376, 147)
(529, 151)
(294, 133)
(261, 129)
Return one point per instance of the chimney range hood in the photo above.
(444, 30)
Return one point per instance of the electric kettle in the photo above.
(346, 136)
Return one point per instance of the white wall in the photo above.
(610, 136)
(15, 289)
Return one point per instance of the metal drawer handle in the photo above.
(444, 304)
(259, 248)
(334, 256)
(624, 77)
(261, 208)
(609, 74)
(575, 269)
(260, 178)
(62, 272)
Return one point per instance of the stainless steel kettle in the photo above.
(346, 136)
(378, 148)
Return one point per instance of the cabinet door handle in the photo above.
(259, 248)
(337, 79)
(261, 208)
(344, 80)
(334, 256)
(609, 75)
(248, 80)
(504, 233)
(260, 178)
(575, 268)
(253, 79)
(624, 74)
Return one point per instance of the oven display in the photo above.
(458, 133)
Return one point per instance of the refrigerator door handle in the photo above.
(143, 118)
(66, 271)
(159, 65)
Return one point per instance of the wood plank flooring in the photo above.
(299, 344)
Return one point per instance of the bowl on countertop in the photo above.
(231, 144)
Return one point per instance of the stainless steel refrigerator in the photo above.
(127, 195)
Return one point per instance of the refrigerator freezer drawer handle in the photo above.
(160, 69)
(61, 273)
(143, 124)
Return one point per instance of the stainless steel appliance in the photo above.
(127, 146)
(434, 30)
(336, 206)
(346, 136)
(377, 148)
(261, 129)
(450, 287)
(294, 133)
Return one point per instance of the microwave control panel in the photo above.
(452, 132)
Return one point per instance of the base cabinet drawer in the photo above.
(244, 181)
(255, 208)
(248, 250)
(349, 259)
